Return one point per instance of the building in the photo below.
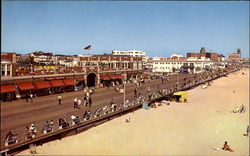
(8, 70)
(172, 66)
(98, 68)
(176, 56)
(213, 56)
(41, 58)
(133, 53)
(8, 64)
(235, 57)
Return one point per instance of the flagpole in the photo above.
(124, 94)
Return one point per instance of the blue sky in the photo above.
(160, 28)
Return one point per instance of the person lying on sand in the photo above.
(226, 147)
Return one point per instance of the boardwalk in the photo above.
(18, 114)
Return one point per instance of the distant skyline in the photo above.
(159, 28)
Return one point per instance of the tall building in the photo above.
(234, 57)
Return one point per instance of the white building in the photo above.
(134, 53)
(130, 53)
(176, 56)
(42, 57)
(170, 66)
(6, 68)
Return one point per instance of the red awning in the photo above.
(8, 88)
(57, 83)
(112, 76)
(119, 76)
(104, 77)
(26, 86)
(80, 79)
(42, 84)
(69, 82)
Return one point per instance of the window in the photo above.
(8, 67)
(3, 69)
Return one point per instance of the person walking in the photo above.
(59, 98)
(75, 103)
(27, 97)
(135, 92)
(79, 103)
(31, 97)
(85, 101)
(112, 101)
(90, 102)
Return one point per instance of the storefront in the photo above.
(105, 80)
(116, 78)
(25, 88)
(69, 85)
(42, 88)
(57, 86)
(8, 92)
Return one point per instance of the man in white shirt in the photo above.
(75, 103)
(79, 103)
(59, 98)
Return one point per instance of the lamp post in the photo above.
(178, 80)
(124, 92)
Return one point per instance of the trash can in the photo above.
(33, 149)
(145, 106)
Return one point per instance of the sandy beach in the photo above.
(192, 128)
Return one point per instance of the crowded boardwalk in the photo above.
(199, 127)
(17, 115)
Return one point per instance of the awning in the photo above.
(119, 76)
(42, 84)
(57, 83)
(8, 88)
(26, 86)
(80, 79)
(69, 82)
(112, 76)
(104, 77)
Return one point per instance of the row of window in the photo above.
(4, 71)
(163, 68)
(191, 64)
(167, 63)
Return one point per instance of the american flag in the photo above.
(88, 47)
